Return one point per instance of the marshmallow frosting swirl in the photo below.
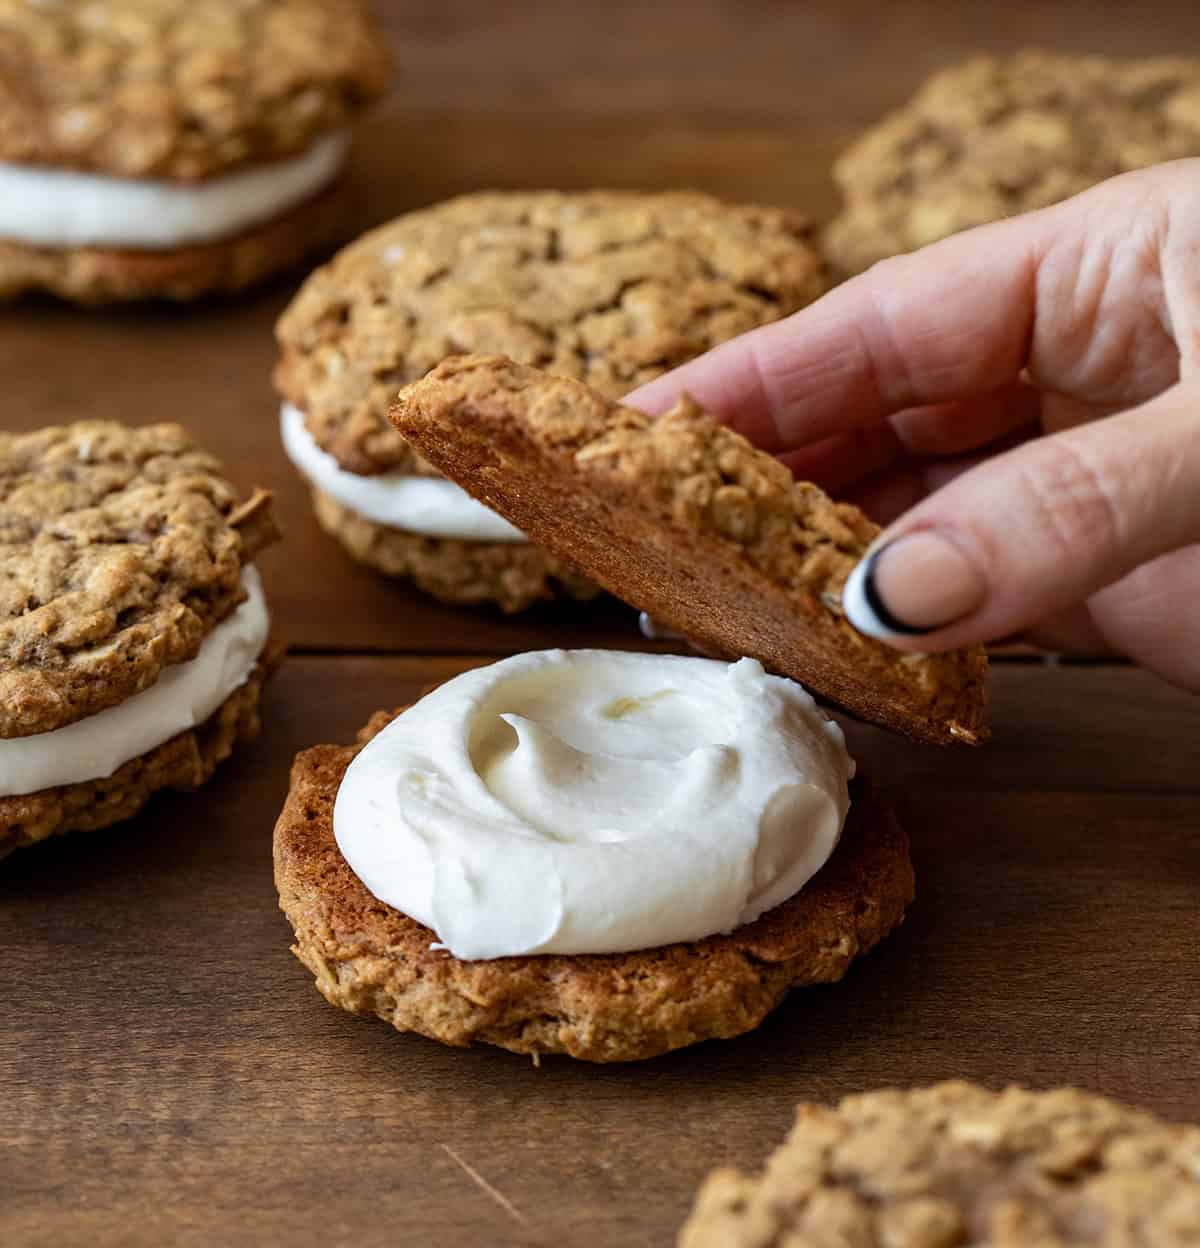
(593, 801)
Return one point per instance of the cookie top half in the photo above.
(120, 550)
(610, 287)
(992, 138)
(180, 89)
(957, 1164)
(683, 518)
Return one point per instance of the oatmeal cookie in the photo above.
(180, 89)
(957, 1164)
(120, 550)
(684, 519)
(168, 149)
(992, 138)
(611, 287)
(615, 287)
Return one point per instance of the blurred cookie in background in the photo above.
(609, 287)
(956, 1164)
(175, 148)
(992, 138)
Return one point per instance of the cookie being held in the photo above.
(133, 629)
(685, 520)
(957, 1164)
(992, 138)
(607, 286)
(171, 148)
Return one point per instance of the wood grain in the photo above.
(167, 1072)
(755, 61)
(171, 1075)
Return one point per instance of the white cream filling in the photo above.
(431, 506)
(593, 801)
(63, 208)
(184, 695)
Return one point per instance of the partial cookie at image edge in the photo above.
(994, 137)
(182, 92)
(956, 1163)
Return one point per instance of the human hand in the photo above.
(1025, 397)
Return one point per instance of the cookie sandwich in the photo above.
(134, 637)
(612, 288)
(171, 149)
(604, 854)
(995, 137)
(957, 1164)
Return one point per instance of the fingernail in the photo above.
(911, 586)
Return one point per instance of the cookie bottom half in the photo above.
(371, 959)
(183, 763)
(94, 275)
(511, 575)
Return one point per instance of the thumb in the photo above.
(1035, 530)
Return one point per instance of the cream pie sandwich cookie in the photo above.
(995, 137)
(134, 636)
(612, 288)
(956, 1164)
(171, 148)
(603, 854)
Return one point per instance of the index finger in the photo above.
(950, 321)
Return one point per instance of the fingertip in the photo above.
(860, 602)
(910, 589)
(655, 397)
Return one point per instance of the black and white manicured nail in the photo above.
(865, 608)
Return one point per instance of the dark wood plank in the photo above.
(1070, 729)
(170, 1075)
(829, 62)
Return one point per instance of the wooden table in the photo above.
(167, 1072)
